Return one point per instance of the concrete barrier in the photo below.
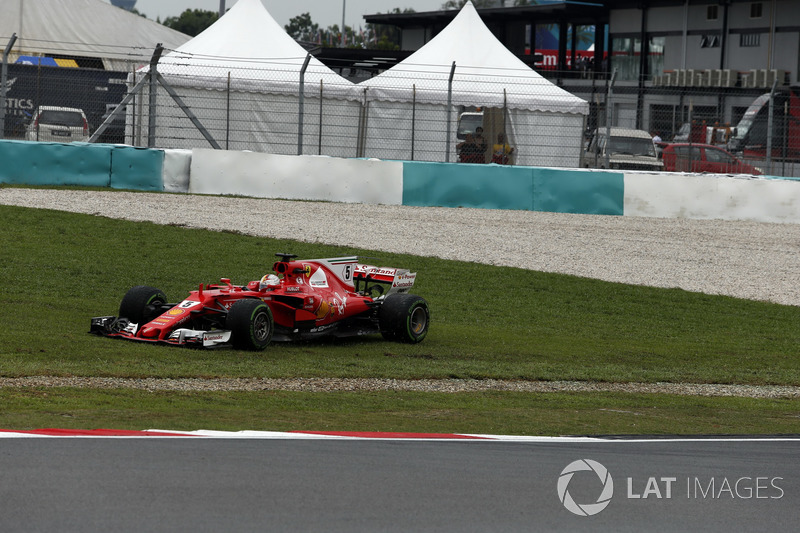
(669, 195)
(296, 177)
(82, 164)
(39, 163)
(136, 168)
(207, 171)
(510, 187)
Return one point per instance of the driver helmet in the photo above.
(269, 281)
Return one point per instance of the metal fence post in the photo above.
(770, 122)
(301, 103)
(609, 117)
(363, 123)
(228, 113)
(319, 148)
(449, 110)
(4, 84)
(151, 124)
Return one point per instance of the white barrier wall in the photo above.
(665, 195)
(175, 174)
(296, 177)
(711, 197)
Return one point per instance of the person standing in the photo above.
(468, 150)
(501, 151)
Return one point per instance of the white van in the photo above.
(627, 150)
(58, 124)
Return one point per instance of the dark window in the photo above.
(756, 10)
(61, 118)
(712, 12)
(749, 39)
(717, 156)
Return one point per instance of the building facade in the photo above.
(672, 61)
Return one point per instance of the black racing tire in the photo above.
(404, 317)
(251, 324)
(141, 304)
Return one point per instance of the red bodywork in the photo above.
(305, 297)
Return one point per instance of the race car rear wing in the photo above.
(382, 280)
(366, 279)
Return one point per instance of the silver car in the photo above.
(627, 149)
(58, 124)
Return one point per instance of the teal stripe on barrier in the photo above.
(508, 187)
(467, 185)
(578, 191)
(82, 164)
(39, 163)
(137, 168)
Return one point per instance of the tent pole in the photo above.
(505, 111)
(449, 110)
(413, 117)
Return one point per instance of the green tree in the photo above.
(302, 28)
(192, 21)
(458, 4)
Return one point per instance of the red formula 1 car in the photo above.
(301, 300)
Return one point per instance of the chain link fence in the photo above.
(275, 106)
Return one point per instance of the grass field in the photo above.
(61, 269)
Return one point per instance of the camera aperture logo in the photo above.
(589, 466)
(592, 488)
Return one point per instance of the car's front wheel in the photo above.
(404, 317)
(141, 304)
(251, 324)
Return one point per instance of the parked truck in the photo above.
(751, 135)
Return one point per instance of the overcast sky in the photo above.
(323, 12)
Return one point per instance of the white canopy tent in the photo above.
(241, 79)
(410, 100)
(85, 28)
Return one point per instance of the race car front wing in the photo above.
(111, 326)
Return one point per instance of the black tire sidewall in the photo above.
(395, 317)
(241, 321)
(134, 305)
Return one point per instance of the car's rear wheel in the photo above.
(404, 317)
(251, 324)
(141, 304)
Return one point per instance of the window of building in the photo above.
(655, 55)
(749, 39)
(625, 57)
(756, 10)
(712, 12)
(709, 41)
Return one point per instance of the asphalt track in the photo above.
(305, 483)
